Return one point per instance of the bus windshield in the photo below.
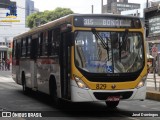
(109, 52)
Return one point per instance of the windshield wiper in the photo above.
(124, 39)
(104, 45)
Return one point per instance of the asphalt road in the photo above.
(12, 99)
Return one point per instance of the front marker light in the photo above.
(80, 83)
(142, 82)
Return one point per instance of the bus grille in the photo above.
(105, 95)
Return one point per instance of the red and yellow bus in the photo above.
(83, 58)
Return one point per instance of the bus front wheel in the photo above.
(112, 104)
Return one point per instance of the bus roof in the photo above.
(67, 19)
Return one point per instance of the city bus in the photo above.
(83, 58)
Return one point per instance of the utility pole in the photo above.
(92, 8)
(147, 4)
(101, 6)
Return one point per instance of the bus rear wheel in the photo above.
(24, 87)
(53, 92)
(112, 104)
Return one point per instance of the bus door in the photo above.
(65, 64)
(33, 68)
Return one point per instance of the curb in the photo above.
(153, 95)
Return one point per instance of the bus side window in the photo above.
(14, 49)
(55, 41)
(18, 49)
(23, 46)
(45, 43)
(38, 47)
(28, 47)
(40, 44)
(50, 42)
(34, 46)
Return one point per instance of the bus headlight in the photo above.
(80, 83)
(142, 82)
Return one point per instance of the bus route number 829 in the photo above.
(101, 86)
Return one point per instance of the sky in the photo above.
(77, 6)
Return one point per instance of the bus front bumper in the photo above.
(88, 95)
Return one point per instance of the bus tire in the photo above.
(24, 87)
(112, 104)
(53, 91)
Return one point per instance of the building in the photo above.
(4, 3)
(109, 6)
(154, 3)
(147, 14)
(136, 12)
(12, 22)
(152, 22)
(123, 1)
(115, 7)
(29, 8)
(140, 12)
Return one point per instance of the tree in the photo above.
(39, 18)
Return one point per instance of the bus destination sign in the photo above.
(105, 22)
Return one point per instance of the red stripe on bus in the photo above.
(46, 61)
(15, 62)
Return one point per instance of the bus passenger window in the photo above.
(55, 42)
(23, 47)
(18, 49)
(34, 46)
(28, 46)
(14, 49)
(45, 43)
(40, 44)
(49, 42)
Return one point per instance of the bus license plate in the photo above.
(113, 98)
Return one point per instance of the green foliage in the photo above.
(40, 18)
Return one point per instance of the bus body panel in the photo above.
(44, 71)
(37, 74)
(15, 74)
(39, 71)
(33, 70)
(84, 95)
(25, 69)
(119, 85)
(18, 77)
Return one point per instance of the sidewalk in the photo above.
(6, 73)
(151, 92)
